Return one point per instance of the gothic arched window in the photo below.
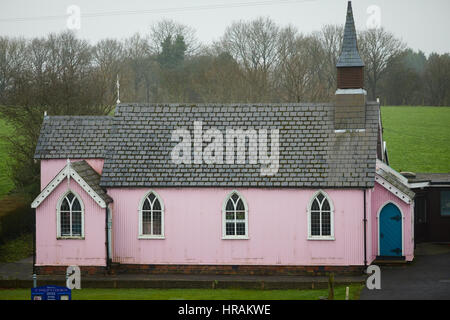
(320, 217)
(151, 216)
(235, 217)
(70, 216)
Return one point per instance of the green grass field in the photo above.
(192, 294)
(418, 138)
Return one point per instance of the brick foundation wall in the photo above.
(234, 269)
(61, 270)
(117, 269)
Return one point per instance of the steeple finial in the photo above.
(118, 89)
(68, 172)
(349, 55)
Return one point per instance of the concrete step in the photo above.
(389, 260)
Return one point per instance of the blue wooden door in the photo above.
(390, 231)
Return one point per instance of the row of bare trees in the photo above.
(253, 61)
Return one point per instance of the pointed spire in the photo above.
(350, 56)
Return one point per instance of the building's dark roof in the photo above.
(396, 182)
(312, 154)
(349, 55)
(91, 177)
(433, 178)
(73, 137)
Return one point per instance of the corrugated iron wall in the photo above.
(278, 229)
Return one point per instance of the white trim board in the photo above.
(68, 172)
(392, 189)
(349, 130)
(404, 180)
(351, 91)
(416, 185)
(388, 169)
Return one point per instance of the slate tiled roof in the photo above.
(312, 154)
(349, 55)
(91, 177)
(73, 137)
(392, 179)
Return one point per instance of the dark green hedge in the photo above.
(16, 221)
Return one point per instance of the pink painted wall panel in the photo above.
(277, 228)
(88, 252)
(369, 255)
(50, 168)
(380, 197)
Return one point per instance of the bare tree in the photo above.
(164, 29)
(254, 45)
(13, 64)
(319, 90)
(330, 38)
(108, 57)
(54, 74)
(38, 55)
(70, 57)
(137, 51)
(293, 72)
(378, 47)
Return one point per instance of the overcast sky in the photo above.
(422, 24)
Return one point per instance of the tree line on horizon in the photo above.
(254, 61)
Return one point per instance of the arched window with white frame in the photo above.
(320, 217)
(151, 217)
(235, 217)
(70, 216)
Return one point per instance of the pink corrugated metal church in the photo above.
(237, 188)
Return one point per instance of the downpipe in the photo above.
(365, 230)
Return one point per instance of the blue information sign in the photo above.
(51, 293)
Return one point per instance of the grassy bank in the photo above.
(191, 294)
(5, 180)
(418, 138)
(17, 249)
